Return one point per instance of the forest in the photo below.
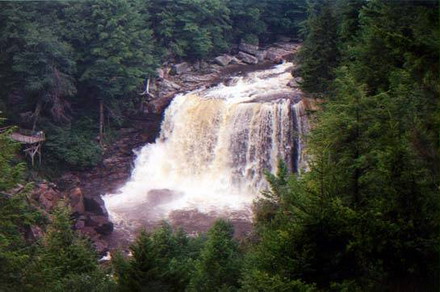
(364, 217)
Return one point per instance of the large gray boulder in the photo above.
(277, 55)
(236, 61)
(223, 60)
(295, 82)
(261, 55)
(246, 58)
(248, 48)
(181, 68)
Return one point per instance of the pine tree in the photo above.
(161, 260)
(16, 215)
(62, 257)
(320, 53)
(219, 262)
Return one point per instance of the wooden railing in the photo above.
(28, 137)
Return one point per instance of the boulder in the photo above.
(223, 60)
(248, 48)
(230, 81)
(76, 199)
(169, 85)
(287, 46)
(213, 69)
(47, 196)
(80, 224)
(261, 55)
(181, 68)
(277, 55)
(101, 224)
(68, 181)
(90, 232)
(101, 247)
(295, 82)
(200, 65)
(284, 39)
(160, 73)
(95, 205)
(236, 61)
(296, 71)
(248, 59)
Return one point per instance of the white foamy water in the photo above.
(214, 147)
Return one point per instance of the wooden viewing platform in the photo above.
(33, 139)
(24, 139)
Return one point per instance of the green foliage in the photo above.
(38, 64)
(219, 262)
(305, 240)
(247, 21)
(284, 17)
(97, 281)
(191, 28)
(64, 258)
(260, 281)
(16, 216)
(320, 53)
(73, 145)
(371, 195)
(114, 44)
(11, 173)
(45, 67)
(162, 260)
(168, 260)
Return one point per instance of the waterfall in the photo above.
(214, 147)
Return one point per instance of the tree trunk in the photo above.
(36, 114)
(101, 122)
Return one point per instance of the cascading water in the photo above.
(214, 147)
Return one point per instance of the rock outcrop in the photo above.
(248, 48)
(181, 68)
(247, 58)
(223, 60)
(48, 196)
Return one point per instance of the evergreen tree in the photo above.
(16, 215)
(162, 260)
(218, 265)
(320, 54)
(64, 256)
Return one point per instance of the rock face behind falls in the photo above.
(214, 147)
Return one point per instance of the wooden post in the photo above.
(39, 152)
(37, 114)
